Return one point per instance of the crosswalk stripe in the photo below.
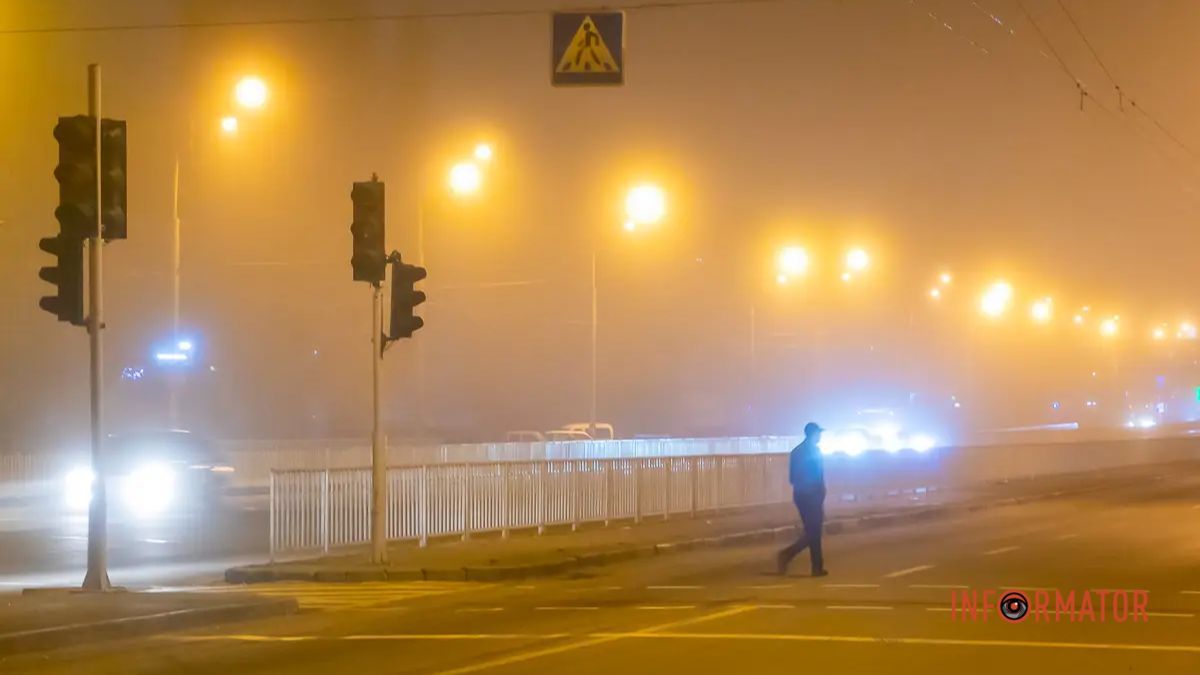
(328, 596)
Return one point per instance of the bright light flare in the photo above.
(945, 278)
(922, 443)
(149, 490)
(1159, 333)
(935, 293)
(1109, 327)
(78, 486)
(229, 124)
(465, 178)
(996, 299)
(1042, 310)
(630, 226)
(483, 152)
(1187, 331)
(793, 261)
(251, 92)
(645, 204)
(184, 345)
(857, 260)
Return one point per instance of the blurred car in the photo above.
(604, 431)
(155, 473)
(560, 435)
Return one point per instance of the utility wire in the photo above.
(395, 16)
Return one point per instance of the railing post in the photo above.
(695, 481)
(637, 489)
(325, 511)
(466, 502)
(543, 466)
(573, 486)
(504, 499)
(607, 490)
(271, 519)
(669, 476)
(423, 507)
(720, 484)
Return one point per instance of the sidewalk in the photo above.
(526, 554)
(46, 619)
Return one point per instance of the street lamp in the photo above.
(1110, 326)
(645, 204)
(229, 125)
(250, 92)
(483, 152)
(857, 260)
(465, 178)
(1042, 310)
(792, 262)
(996, 299)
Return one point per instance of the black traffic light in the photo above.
(405, 298)
(76, 174)
(113, 196)
(67, 275)
(369, 261)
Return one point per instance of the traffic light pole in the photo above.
(378, 453)
(97, 559)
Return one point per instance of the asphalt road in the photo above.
(41, 545)
(884, 608)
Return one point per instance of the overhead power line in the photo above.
(393, 16)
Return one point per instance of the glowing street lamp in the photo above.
(1042, 310)
(465, 178)
(792, 261)
(996, 299)
(944, 278)
(1109, 327)
(935, 294)
(229, 125)
(645, 204)
(483, 152)
(251, 92)
(1187, 331)
(1159, 333)
(857, 260)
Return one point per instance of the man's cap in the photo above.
(812, 428)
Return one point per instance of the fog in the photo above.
(931, 134)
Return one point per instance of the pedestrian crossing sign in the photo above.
(588, 48)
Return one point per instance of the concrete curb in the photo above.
(250, 574)
(44, 639)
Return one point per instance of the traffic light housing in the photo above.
(405, 298)
(113, 194)
(76, 174)
(67, 275)
(368, 259)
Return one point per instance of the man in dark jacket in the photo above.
(806, 470)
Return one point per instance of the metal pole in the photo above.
(378, 458)
(97, 571)
(173, 396)
(422, 406)
(592, 415)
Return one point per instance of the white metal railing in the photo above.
(317, 510)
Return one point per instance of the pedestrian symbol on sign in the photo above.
(587, 52)
(587, 48)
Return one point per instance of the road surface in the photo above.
(884, 607)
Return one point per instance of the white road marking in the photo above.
(910, 570)
(472, 610)
(939, 609)
(1172, 615)
(880, 640)
(774, 607)
(673, 588)
(1197, 506)
(525, 588)
(565, 609)
(769, 587)
(1190, 592)
(662, 607)
(849, 585)
(939, 586)
(859, 607)
(1002, 549)
(1064, 537)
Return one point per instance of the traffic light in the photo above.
(369, 261)
(67, 275)
(405, 298)
(113, 196)
(76, 174)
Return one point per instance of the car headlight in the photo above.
(149, 489)
(78, 486)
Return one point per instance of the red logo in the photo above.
(1046, 605)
